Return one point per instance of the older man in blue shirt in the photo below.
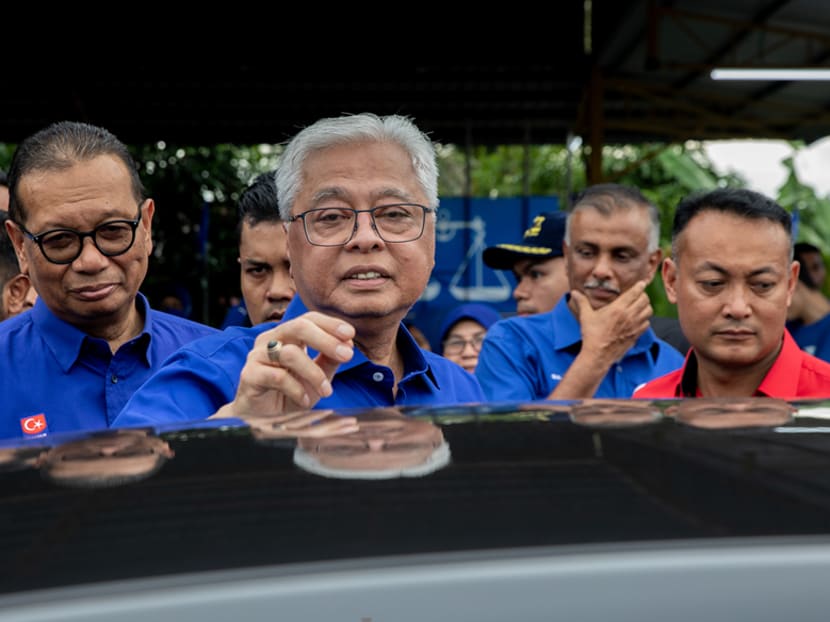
(358, 195)
(80, 224)
(596, 342)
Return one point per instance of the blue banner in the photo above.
(464, 229)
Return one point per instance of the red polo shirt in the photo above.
(794, 374)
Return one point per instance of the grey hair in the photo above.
(606, 198)
(350, 129)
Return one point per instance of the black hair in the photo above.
(58, 147)
(799, 250)
(738, 201)
(258, 203)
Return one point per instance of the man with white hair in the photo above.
(358, 195)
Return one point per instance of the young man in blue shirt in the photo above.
(596, 342)
(265, 271)
(81, 228)
(358, 195)
(536, 263)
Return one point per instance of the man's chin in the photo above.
(372, 312)
(600, 297)
(736, 357)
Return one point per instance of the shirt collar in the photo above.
(687, 387)
(414, 360)
(779, 379)
(782, 379)
(65, 340)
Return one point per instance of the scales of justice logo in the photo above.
(468, 282)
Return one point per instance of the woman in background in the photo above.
(463, 331)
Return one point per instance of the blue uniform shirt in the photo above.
(56, 378)
(813, 338)
(525, 358)
(203, 376)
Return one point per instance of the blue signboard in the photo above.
(464, 229)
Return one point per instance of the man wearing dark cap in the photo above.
(536, 263)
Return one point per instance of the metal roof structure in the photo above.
(609, 71)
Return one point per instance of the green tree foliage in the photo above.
(196, 190)
(500, 171)
(812, 212)
(198, 186)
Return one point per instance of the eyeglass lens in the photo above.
(456, 346)
(336, 226)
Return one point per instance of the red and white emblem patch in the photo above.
(36, 424)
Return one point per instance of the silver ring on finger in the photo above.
(274, 349)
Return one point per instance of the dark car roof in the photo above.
(520, 477)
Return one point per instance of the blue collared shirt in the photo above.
(525, 358)
(56, 378)
(813, 338)
(204, 375)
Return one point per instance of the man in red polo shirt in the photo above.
(732, 277)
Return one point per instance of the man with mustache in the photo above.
(732, 276)
(596, 342)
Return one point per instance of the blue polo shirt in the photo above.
(203, 376)
(56, 378)
(813, 338)
(525, 358)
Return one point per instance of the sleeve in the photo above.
(188, 387)
(463, 385)
(506, 367)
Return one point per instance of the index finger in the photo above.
(327, 335)
(633, 293)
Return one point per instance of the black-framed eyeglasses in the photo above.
(335, 226)
(456, 345)
(63, 246)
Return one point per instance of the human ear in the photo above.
(670, 279)
(19, 295)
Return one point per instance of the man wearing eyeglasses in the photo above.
(80, 225)
(358, 195)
